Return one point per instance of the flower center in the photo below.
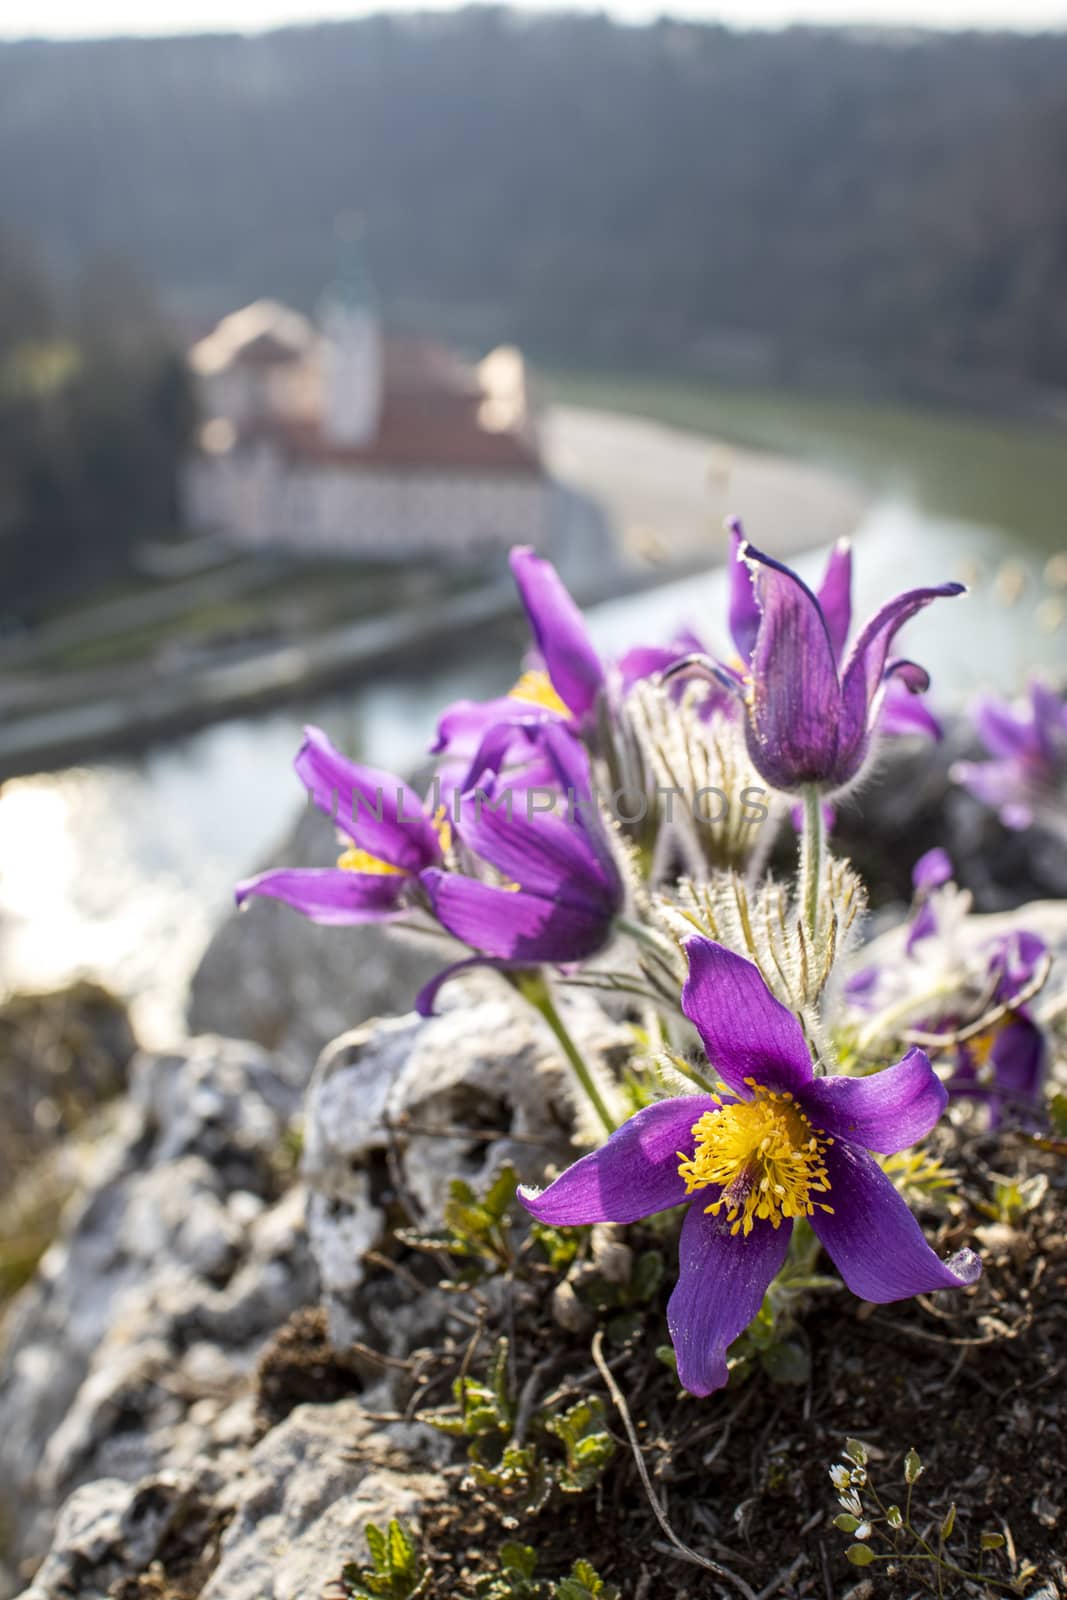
(443, 828)
(537, 689)
(356, 860)
(764, 1155)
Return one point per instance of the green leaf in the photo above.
(856, 1451)
(646, 1276)
(397, 1573)
(589, 1447)
(520, 1477)
(786, 1362)
(376, 1544)
(992, 1541)
(949, 1522)
(501, 1193)
(520, 1558)
(665, 1353)
(1058, 1112)
(584, 1583)
(860, 1555)
(846, 1522)
(912, 1467)
(560, 1245)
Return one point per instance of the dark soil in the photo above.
(301, 1367)
(973, 1381)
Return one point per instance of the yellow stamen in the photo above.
(443, 828)
(764, 1155)
(980, 1045)
(355, 860)
(536, 689)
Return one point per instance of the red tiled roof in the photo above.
(430, 420)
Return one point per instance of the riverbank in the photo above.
(636, 505)
(1005, 474)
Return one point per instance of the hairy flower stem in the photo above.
(534, 989)
(812, 849)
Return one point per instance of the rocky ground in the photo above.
(219, 1373)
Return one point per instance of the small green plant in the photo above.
(1014, 1197)
(584, 1584)
(522, 1473)
(515, 1580)
(397, 1572)
(477, 1228)
(870, 1522)
(921, 1178)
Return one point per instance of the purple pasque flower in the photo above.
(566, 688)
(523, 876)
(946, 987)
(1004, 1065)
(903, 711)
(772, 1144)
(541, 884)
(392, 837)
(1027, 775)
(811, 705)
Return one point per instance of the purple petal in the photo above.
(887, 1111)
(722, 1279)
(867, 658)
(382, 814)
(329, 894)
(744, 612)
(795, 694)
(835, 595)
(513, 925)
(923, 925)
(866, 667)
(465, 724)
(873, 1239)
(1018, 1058)
(563, 853)
(1002, 730)
(426, 998)
(932, 869)
(746, 1032)
(1001, 785)
(646, 661)
(633, 1175)
(560, 632)
(544, 852)
(1013, 958)
(1050, 722)
(904, 713)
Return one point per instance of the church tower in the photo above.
(352, 360)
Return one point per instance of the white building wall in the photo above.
(254, 499)
(352, 370)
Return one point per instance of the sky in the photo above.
(81, 18)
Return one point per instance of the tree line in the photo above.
(820, 201)
(95, 412)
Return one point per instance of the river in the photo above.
(120, 869)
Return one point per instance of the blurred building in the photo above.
(336, 435)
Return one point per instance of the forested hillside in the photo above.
(816, 201)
